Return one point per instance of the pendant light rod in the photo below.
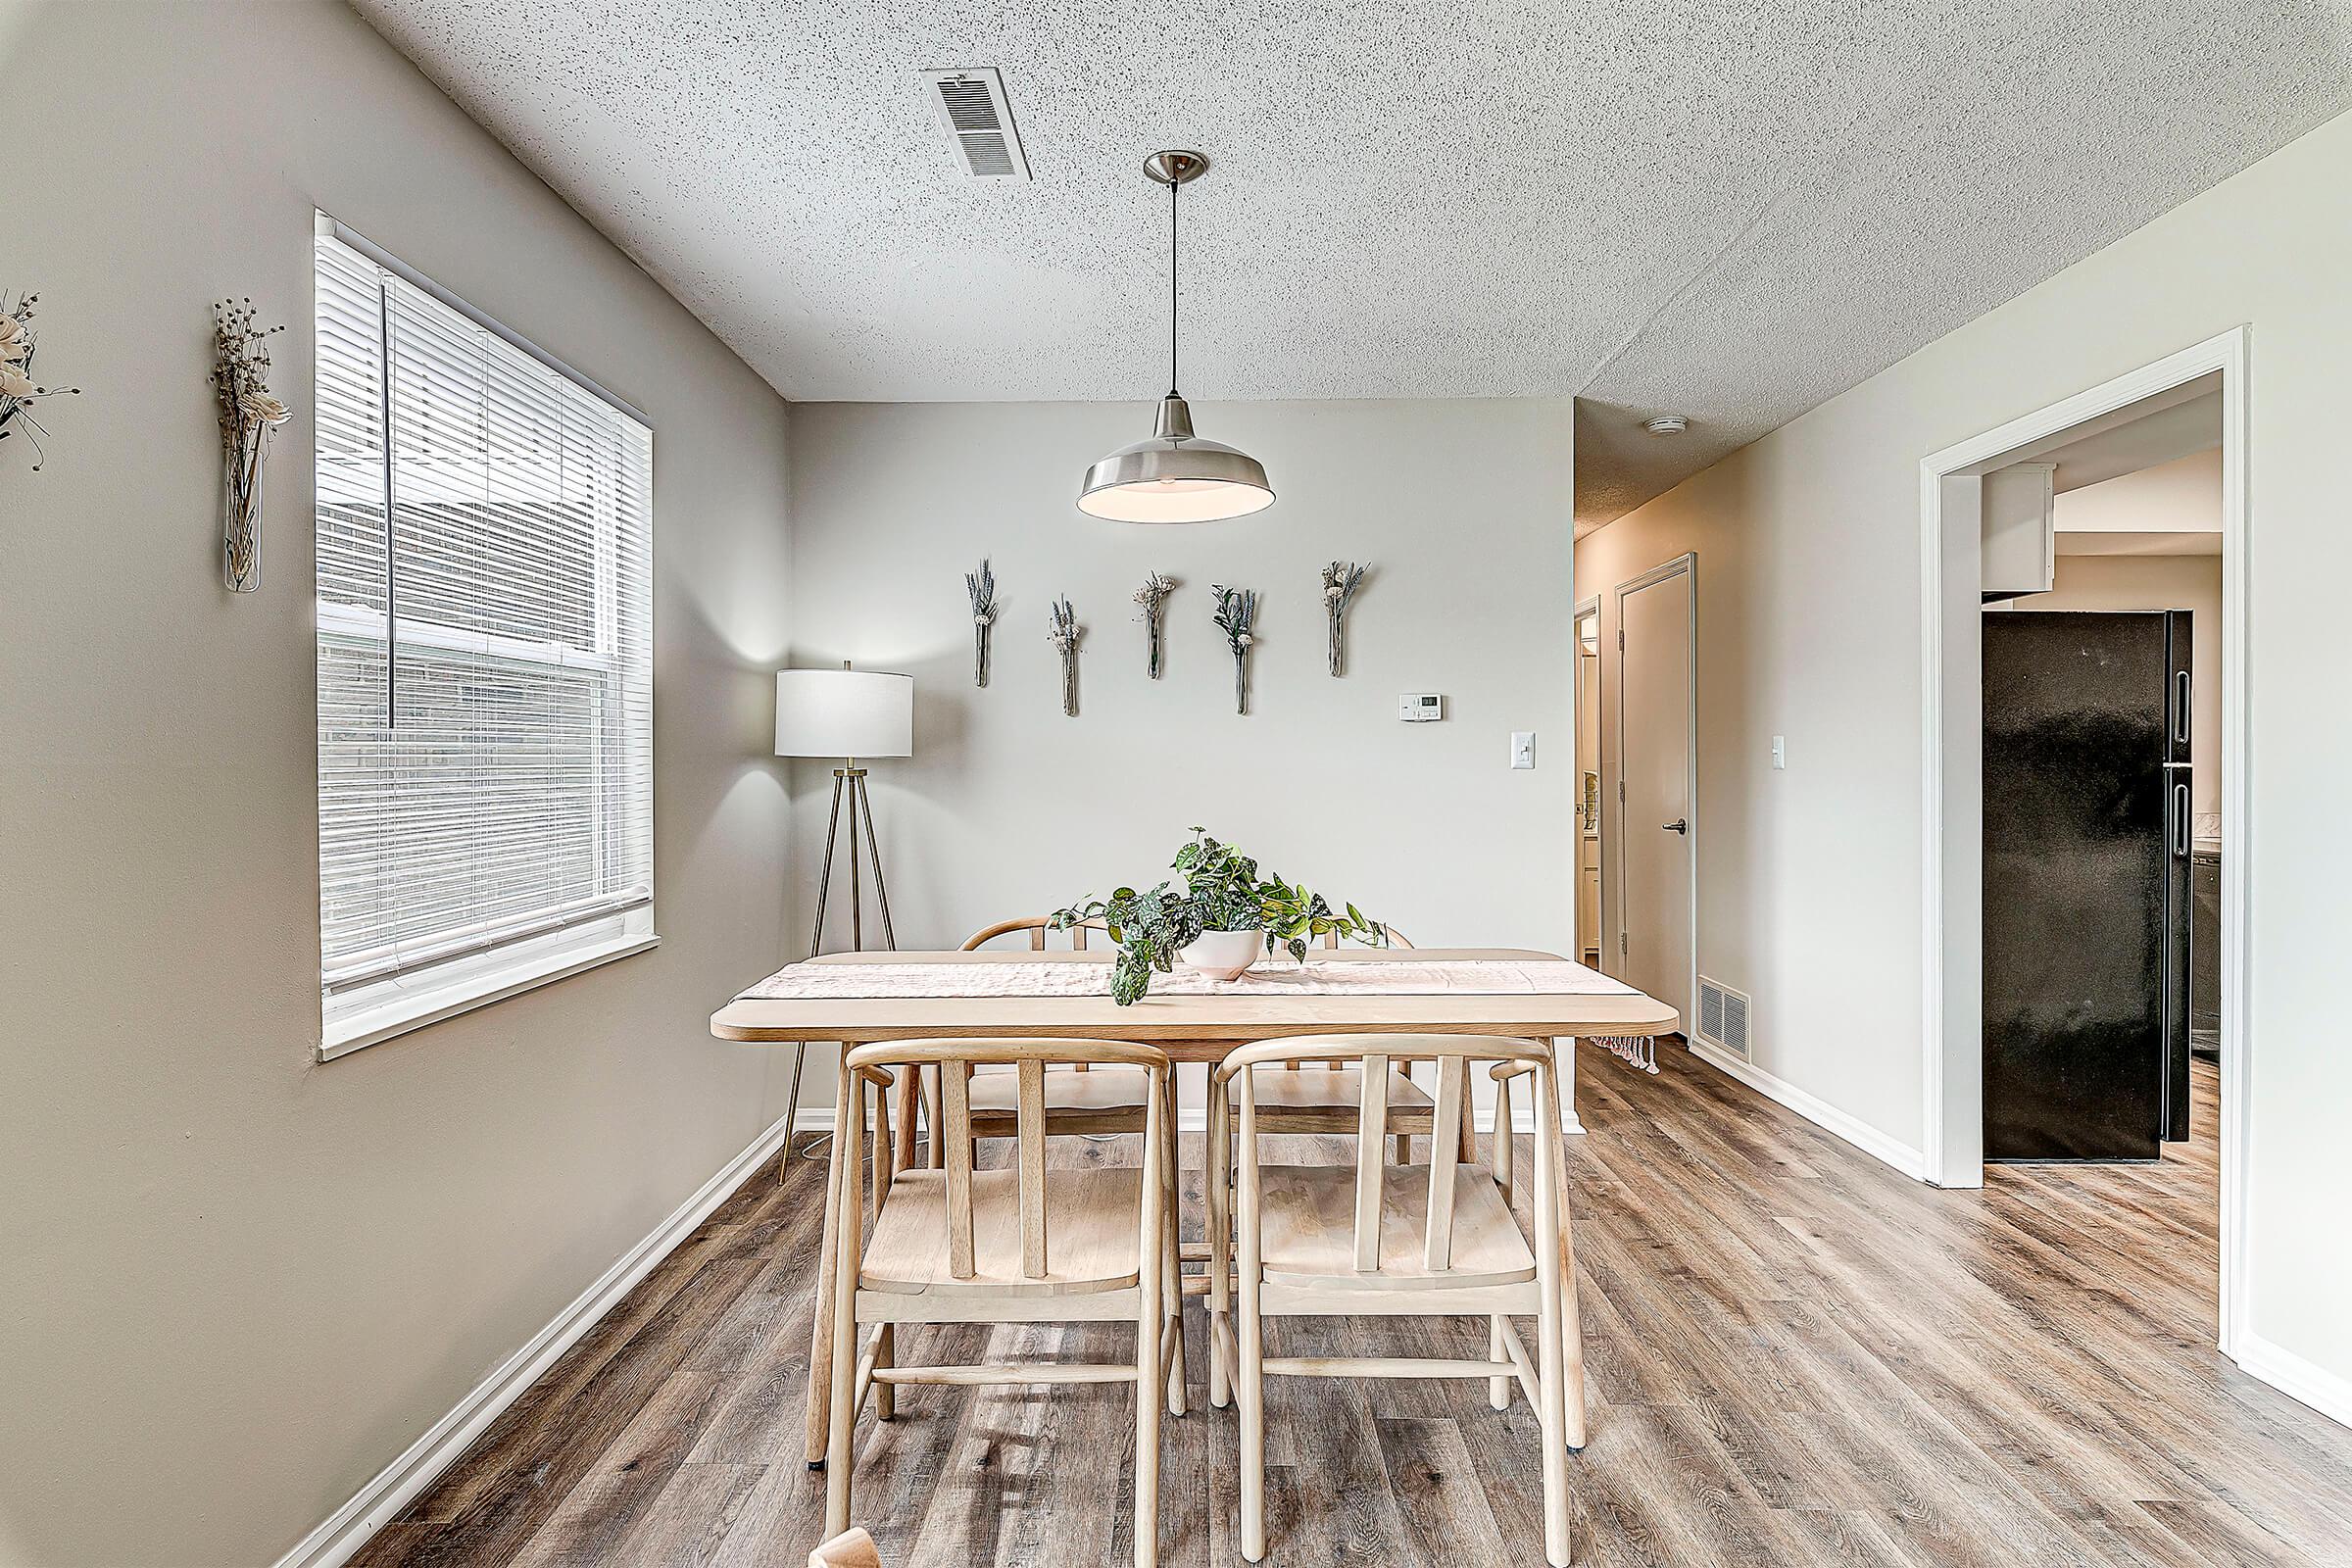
(1172, 380)
(1175, 477)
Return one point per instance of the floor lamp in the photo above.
(847, 713)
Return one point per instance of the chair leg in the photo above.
(820, 1334)
(846, 1252)
(1171, 1267)
(1551, 1376)
(1404, 1148)
(886, 1395)
(1499, 1389)
(1249, 1335)
(1572, 1336)
(936, 1145)
(1219, 1215)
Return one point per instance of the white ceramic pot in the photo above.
(1223, 955)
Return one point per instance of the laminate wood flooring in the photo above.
(1794, 1356)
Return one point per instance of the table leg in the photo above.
(820, 1340)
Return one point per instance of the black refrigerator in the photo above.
(2087, 884)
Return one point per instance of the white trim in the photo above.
(1577, 697)
(2282, 1369)
(349, 1527)
(1685, 565)
(1952, 1080)
(406, 1004)
(1820, 1113)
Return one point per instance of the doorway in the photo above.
(1654, 844)
(1956, 558)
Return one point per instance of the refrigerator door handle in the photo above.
(2180, 820)
(2180, 695)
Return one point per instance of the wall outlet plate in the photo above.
(1421, 708)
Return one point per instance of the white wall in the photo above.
(239, 1282)
(1462, 512)
(2182, 496)
(2159, 582)
(1810, 626)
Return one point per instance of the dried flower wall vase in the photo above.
(248, 413)
(1153, 596)
(241, 526)
(1065, 638)
(1237, 619)
(982, 586)
(1341, 579)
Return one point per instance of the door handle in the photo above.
(1678, 825)
(2181, 836)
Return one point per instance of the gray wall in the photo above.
(1461, 509)
(239, 1283)
(1809, 627)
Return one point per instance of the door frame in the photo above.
(1577, 696)
(1952, 844)
(1685, 565)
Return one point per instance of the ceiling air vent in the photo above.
(971, 104)
(1723, 1017)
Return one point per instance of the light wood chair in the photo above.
(1013, 1246)
(1081, 1100)
(1397, 1239)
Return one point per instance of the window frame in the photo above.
(377, 1010)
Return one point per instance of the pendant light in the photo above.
(1175, 477)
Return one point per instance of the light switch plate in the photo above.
(1421, 708)
(1779, 751)
(1523, 748)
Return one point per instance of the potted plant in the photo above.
(1219, 922)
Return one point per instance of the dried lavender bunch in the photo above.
(982, 586)
(1339, 581)
(1236, 614)
(1152, 596)
(1065, 638)
(18, 389)
(248, 413)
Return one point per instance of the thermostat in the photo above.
(1419, 707)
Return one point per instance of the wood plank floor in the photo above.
(1794, 1356)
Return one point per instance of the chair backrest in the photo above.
(1036, 925)
(954, 1060)
(1449, 1139)
(1331, 939)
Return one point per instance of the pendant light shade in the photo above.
(1175, 477)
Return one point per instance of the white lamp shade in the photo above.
(843, 713)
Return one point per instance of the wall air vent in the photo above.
(1723, 1018)
(971, 104)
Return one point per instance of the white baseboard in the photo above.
(2282, 1369)
(1820, 1114)
(381, 1499)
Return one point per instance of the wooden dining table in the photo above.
(1190, 1028)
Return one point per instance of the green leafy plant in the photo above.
(1221, 890)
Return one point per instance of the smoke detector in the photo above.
(1666, 424)
(979, 121)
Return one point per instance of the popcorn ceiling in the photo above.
(1715, 207)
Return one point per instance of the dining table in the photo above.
(1518, 993)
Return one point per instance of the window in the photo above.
(485, 657)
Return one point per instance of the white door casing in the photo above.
(1656, 902)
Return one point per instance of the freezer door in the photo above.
(2076, 853)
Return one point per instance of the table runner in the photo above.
(1493, 977)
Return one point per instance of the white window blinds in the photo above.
(485, 645)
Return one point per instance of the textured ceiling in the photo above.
(1725, 209)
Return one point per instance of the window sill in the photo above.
(416, 1007)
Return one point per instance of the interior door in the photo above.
(1654, 762)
